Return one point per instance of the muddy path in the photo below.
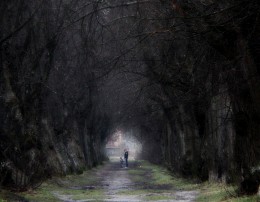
(141, 181)
(138, 182)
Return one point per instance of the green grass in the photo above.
(43, 194)
(158, 175)
(216, 192)
(212, 192)
(138, 192)
(161, 176)
(61, 186)
(155, 197)
(137, 172)
(148, 194)
(47, 193)
(87, 194)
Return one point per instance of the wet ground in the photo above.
(142, 181)
(138, 182)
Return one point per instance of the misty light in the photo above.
(119, 141)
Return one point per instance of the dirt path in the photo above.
(142, 181)
(132, 184)
(121, 187)
(116, 180)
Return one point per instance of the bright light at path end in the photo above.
(120, 141)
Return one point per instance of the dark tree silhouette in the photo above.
(183, 74)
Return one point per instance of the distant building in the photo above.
(114, 145)
(113, 151)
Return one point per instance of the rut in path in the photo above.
(119, 186)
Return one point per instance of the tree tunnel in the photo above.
(177, 81)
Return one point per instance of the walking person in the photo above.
(126, 157)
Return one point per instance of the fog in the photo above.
(120, 141)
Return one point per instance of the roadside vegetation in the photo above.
(215, 192)
(75, 187)
(161, 178)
